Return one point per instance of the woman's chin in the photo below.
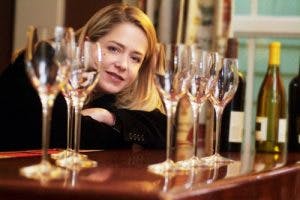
(111, 90)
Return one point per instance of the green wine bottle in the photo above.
(270, 127)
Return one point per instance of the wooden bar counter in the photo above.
(122, 174)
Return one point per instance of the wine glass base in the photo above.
(43, 171)
(76, 162)
(62, 154)
(163, 168)
(190, 163)
(65, 153)
(216, 159)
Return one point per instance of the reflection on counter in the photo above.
(268, 161)
(124, 172)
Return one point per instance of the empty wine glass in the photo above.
(83, 78)
(197, 93)
(172, 82)
(222, 92)
(66, 91)
(47, 63)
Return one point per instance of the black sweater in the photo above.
(21, 119)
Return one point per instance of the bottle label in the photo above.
(236, 126)
(282, 130)
(261, 128)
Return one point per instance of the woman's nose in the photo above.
(122, 64)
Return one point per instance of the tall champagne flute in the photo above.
(83, 78)
(172, 82)
(225, 86)
(66, 91)
(47, 64)
(197, 93)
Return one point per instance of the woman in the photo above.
(125, 107)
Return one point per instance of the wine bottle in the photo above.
(294, 114)
(233, 114)
(270, 126)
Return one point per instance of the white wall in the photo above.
(38, 13)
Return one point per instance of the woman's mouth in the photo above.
(115, 76)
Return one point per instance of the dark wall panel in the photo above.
(7, 12)
(79, 11)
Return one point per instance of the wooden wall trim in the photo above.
(7, 13)
(78, 12)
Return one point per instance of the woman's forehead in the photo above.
(129, 35)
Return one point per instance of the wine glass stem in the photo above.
(169, 118)
(70, 117)
(219, 112)
(170, 109)
(47, 112)
(77, 130)
(195, 108)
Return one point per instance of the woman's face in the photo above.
(123, 50)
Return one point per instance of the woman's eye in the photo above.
(112, 49)
(136, 59)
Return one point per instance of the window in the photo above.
(256, 24)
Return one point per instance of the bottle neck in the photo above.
(273, 68)
(274, 59)
(232, 48)
(274, 54)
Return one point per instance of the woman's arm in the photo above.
(95, 135)
(100, 114)
(134, 127)
(144, 128)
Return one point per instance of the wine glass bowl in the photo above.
(225, 86)
(172, 76)
(226, 83)
(172, 82)
(200, 70)
(48, 63)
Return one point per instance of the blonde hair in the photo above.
(142, 93)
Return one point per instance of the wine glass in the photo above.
(197, 93)
(222, 92)
(66, 91)
(48, 63)
(172, 82)
(84, 76)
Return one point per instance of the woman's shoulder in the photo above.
(16, 65)
(17, 55)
